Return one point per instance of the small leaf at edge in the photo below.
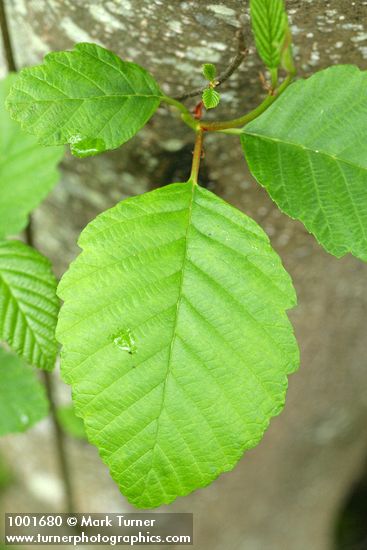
(87, 97)
(309, 150)
(28, 304)
(23, 399)
(28, 171)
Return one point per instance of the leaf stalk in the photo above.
(185, 113)
(196, 157)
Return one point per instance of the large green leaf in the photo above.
(269, 25)
(27, 170)
(86, 97)
(176, 341)
(28, 304)
(23, 399)
(309, 150)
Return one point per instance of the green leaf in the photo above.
(70, 423)
(27, 171)
(211, 98)
(309, 150)
(23, 399)
(86, 97)
(209, 71)
(269, 25)
(176, 341)
(28, 304)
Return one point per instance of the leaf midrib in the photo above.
(305, 148)
(174, 333)
(338, 161)
(269, 22)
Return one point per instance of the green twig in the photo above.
(226, 126)
(196, 157)
(241, 121)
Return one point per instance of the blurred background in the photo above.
(305, 486)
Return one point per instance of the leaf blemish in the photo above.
(85, 147)
(125, 341)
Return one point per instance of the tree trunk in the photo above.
(285, 494)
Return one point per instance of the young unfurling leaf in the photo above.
(269, 25)
(209, 71)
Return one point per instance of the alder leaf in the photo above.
(28, 304)
(23, 399)
(28, 171)
(211, 98)
(269, 25)
(176, 341)
(87, 97)
(309, 150)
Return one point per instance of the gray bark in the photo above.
(285, 494)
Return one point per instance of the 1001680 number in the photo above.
(34, 521)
